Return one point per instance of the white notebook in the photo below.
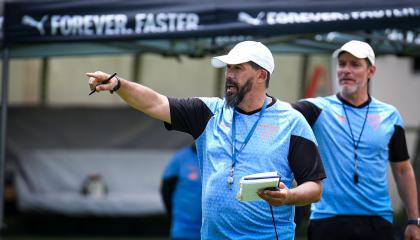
(251, 184)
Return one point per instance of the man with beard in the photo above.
(245, 133)
(357, 136)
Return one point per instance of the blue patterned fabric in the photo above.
(341, 196)
(186, 200)
(224, 217)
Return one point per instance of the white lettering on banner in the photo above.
(304, 17)
(272, 18)
(165, 22)
(116, 24)
(87, 25)
(404, 36)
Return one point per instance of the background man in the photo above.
(181, 194)
(357, 136)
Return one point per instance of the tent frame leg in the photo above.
(3, 120)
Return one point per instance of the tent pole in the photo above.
(135, 74)
(219, 86)
(44, 81)
(304, 76)
(3, 118)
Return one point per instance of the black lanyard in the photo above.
(235, 152)
(356, 143)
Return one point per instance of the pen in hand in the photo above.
(103, 82)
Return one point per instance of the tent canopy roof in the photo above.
(199, 28)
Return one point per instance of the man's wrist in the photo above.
(116, 86)
(414, 222)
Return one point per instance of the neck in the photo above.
(355, 99)
(252, 103)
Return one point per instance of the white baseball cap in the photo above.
(244, 52)
(358, 49)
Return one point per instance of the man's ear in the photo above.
(262, 76)
(372, 70)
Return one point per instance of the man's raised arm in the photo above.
(136, 95)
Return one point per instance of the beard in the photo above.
(348, 90)
(235, 98)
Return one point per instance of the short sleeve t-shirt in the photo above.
(282, 142)
(382, 140)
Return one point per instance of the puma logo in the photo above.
(28, 20)
(245, 17)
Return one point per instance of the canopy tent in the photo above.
(198, 28)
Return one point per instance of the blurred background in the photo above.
(57, 142)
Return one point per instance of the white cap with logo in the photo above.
(244, 52)
(358, 49)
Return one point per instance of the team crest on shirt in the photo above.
(340, 118)
(374, 120)
(267, 131)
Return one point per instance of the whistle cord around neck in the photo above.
(274, 221)
(235, 151)
(356, 143)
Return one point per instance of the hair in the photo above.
(369, 64)
(257, 67)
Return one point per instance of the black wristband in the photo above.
(414, 221)
(116, 86)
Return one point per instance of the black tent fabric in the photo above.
(163, 19)
(112, 20)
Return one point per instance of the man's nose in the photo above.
(345, 68)
(229, 73)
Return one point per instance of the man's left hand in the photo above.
(277, 197)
